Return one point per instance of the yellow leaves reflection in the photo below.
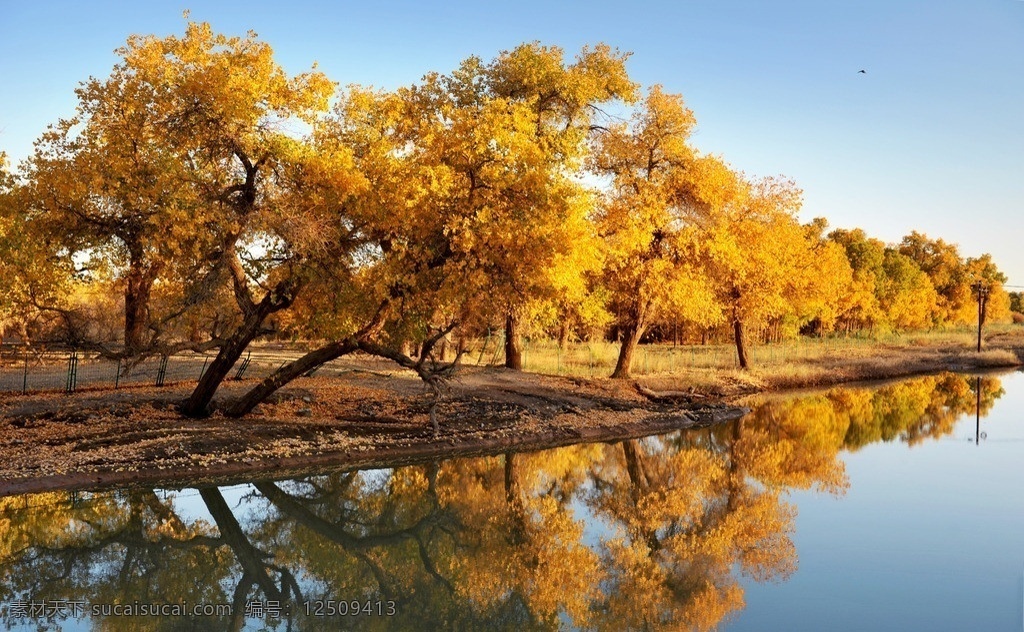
(651, 533)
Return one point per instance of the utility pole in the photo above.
(981, 288)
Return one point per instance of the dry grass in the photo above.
(713, 370)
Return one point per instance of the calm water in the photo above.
(888, 508)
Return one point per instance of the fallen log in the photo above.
(667, 396)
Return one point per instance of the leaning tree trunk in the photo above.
(624, 365)
(513, 342)
(319, 357)
(198, 403)
(281, 297)
(287, 373)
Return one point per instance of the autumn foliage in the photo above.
(202, 198)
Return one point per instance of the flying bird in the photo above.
(862, 72)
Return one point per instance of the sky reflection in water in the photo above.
(926, 538)
(862, 508)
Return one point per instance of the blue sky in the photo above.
(931, 138)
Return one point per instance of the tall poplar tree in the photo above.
(645, 221)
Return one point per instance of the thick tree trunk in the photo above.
(137, 291)
(287, 373)
(513, 343)
(198, 403)
(737, 328)
(624, 365)
(741, 351)
(361, 340)
(281, 297)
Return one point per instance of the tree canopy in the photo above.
(201, 197)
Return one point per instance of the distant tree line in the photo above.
(202, 198)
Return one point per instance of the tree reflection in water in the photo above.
(505, 543)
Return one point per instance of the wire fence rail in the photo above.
(23, 371)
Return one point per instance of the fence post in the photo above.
(245, 365)
(161, 373)
(24, 379)
(203, 370)
(480, 358)
(69, 386)
(117, 375)
(498, 348)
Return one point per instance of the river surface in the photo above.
(894, 507)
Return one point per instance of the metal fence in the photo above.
(23, 371)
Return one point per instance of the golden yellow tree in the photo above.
(528, 114)
(753, 249)
(107, 186)
(905, 293)
(271, 200)
(190, 133)
(859, 306)
(948, 273)
(643, 221)
(825, 280)
(471, 207)
(418, 268)
(996, 303)
(38, 281)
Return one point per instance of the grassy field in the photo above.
(708, 368)
(796, 363)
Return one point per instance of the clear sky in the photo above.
(930, 138)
